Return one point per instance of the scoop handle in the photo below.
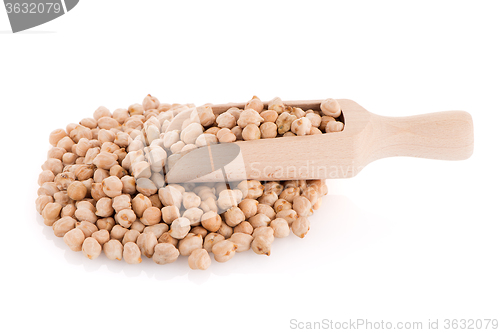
(447, 135)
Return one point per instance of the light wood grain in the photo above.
(366, 137)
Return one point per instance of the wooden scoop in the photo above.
(366, 137)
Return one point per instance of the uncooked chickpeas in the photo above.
(223, 250)
(199, 259)
(113, 249)
(165, 253)
(251, 132)
(104, 185)
(330, 107)
(131, 253)
(300, 226)
(91, 248)
(74, 239)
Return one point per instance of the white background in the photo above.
(405, 240)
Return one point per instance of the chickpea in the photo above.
(63, 225)
(126, 217)
(281, 204)
(170, 138)
(199, 259)
(242, 241)
(334, 126)
(54, 165)
(193, 215)
(51, 213)
(118, 232)
(234, 216)
(255, 103)
(301, 126)
(318, 203)
(284, 122)
(101, 236)
(170, 196)
(84, 172)
(266, 210)
(249, 116)
(248, 207)
(268, 130)
(280, 227)
(128, 185)
(225, 120)
(152, 215)
(223, 250)
(211, 221)
(137, 225)
(199, 231)
(255, 189)
(259, 220)
(225, 230)
(314, 118)
(62, 180)
(212, 130)
(210, 240)
(235, 112)
(288, 214)
(120, 115)
(225, 135)
(227, 199)
(113, 249)
(45, 176)
(150, 102)
(330, 107)
(300, 226)
(100, 175)
(146, 242)
(74, 239)
(140, 203)
(132, 253)
(104, 207)
(244, 227)
(191, 132)
(42, 201)
(96, 191)
(189, 244)
(104, 160)
(167, 238)
(209, 204)
(290, 193)
(268, 198)
(251, 132)
(106, 223)
(56, 135)
(101, 112)
(277, 105)
(261, 245)
(190, 200)
(66, 143)
(315, 131)
(325, 120)
(169, 214)
(121, 202)
(56, 152)
(165, 253)
(87, 228)
(302, 206)
(269, 116)
(91, 248)
(180, 228)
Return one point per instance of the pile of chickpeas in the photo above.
(104, 187)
